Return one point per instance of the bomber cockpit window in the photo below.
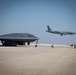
(30, 35)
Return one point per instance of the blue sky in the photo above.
(32, 16)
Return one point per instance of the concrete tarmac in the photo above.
(37, 61)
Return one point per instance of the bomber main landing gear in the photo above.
(28, 43)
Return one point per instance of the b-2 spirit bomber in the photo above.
(14, 39)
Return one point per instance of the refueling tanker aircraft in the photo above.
(59, 32)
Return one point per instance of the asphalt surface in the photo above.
(37, 61)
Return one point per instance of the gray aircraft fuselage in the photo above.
(59, 32)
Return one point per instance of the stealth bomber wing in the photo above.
(17, 39)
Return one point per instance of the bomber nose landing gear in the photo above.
(36, 43)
